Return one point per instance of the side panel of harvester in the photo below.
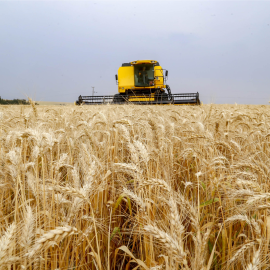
(125, 78)
(159, 78)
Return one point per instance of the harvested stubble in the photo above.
(122, 187)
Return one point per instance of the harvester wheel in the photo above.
(162, 97)
(118, 98)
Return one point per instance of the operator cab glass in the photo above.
(144, 75)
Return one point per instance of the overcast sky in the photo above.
(58, 50)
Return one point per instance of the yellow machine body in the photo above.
(125, 79)
(141, 77)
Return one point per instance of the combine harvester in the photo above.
(142, 82)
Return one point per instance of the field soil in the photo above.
(134, 187)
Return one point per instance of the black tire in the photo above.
(162, 97)
(118, 98)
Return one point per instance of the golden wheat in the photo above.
(143, 187)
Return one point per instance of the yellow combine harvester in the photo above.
(142, 82)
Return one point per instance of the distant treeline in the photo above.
(14, 101)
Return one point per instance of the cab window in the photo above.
(144, 75)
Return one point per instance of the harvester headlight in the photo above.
(122, 87)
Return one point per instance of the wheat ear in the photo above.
(5, 242)
(156, 182)
(69, 190)
(33, 105)
(241, 251)
(135, 198)
(168, 242)
(28, 229)
(254, 265)
(55, 235)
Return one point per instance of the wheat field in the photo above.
(134, 187)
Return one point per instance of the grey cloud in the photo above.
(58, 50)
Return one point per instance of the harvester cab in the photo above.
(142, 82)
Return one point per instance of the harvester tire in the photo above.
(117, 98)
(162, 97)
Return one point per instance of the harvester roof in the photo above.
(143, 62)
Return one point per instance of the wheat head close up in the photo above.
(134, 187)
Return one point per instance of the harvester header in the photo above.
(142, 82)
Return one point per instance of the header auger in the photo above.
(142, 82)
